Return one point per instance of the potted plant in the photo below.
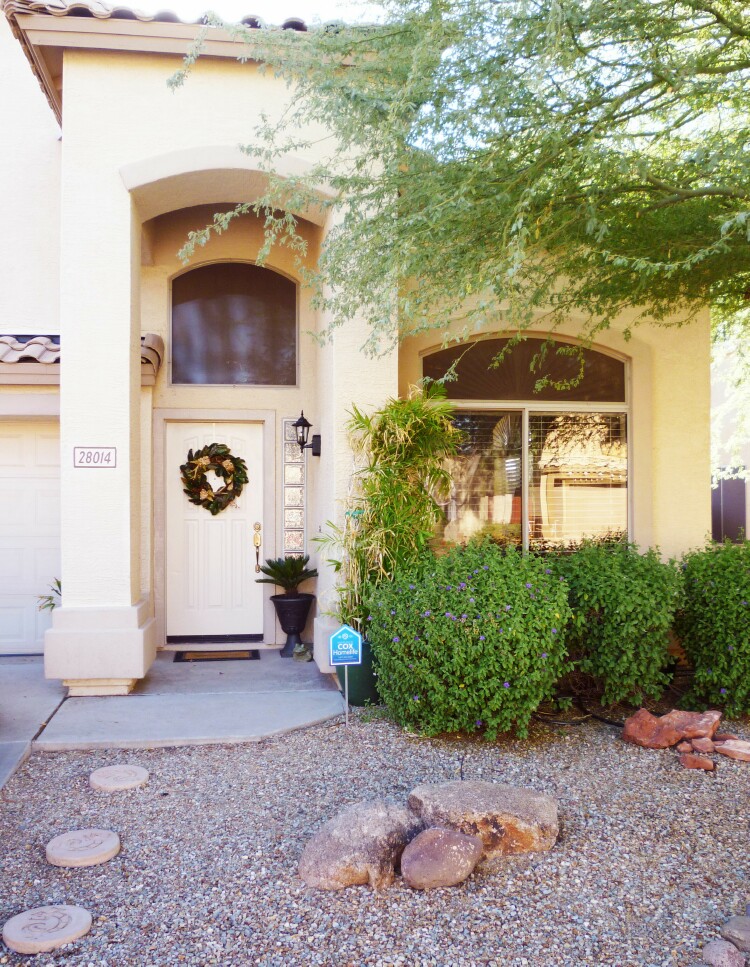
(293, 606)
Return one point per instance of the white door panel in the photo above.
(211, 589)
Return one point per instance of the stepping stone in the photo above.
(45, 928)
(117, 778)
(83, 847)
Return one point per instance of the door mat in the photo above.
(248, 654)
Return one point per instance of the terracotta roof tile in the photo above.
(43, 349)
(103, 11)
(35, 349)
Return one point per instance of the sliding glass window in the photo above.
(535, 472)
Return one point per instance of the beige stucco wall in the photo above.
(29, 197)
(669, 401)
(123, 130)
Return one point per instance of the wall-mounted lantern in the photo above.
(302, 429)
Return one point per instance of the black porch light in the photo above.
(302, 429)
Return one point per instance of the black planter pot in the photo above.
(292, 611)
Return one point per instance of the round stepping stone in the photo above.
(117, 778)
(45, 928)
(83, 847)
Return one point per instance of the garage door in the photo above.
(29, 531)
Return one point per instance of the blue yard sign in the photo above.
(346, 646)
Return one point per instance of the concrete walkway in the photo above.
(27, 702)
(177, 704)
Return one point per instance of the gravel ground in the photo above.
(652, 858)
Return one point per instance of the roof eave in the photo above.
(41, 30)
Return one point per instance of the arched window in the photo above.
(234, 323)
(547, 467)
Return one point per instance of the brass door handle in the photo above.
(257, 542)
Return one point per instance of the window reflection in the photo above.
(485, 497)
(579, 476)
(234, 323)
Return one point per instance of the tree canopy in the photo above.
(564, 157)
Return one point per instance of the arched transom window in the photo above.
(234, 323)
(535, 468)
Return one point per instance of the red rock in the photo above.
(725, 736)
(661, 732)
(735, 749)
(684, 746)
(702, 745)
(694, 725)
(696, 762)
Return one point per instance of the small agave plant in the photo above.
(287, 572)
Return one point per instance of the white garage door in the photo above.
(29, 531)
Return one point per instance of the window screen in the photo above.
(234, 323)
(603, 380)
(578, 483)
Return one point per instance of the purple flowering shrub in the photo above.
(624, 603)
(471, 641)
(714, 625)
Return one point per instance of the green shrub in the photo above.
(623, 606)
(714, 625)
(470, 641)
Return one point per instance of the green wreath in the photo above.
(216, 457)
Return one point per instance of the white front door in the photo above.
(210, 587)
(29, 531)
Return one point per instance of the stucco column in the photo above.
(346, 377)
(102, 638)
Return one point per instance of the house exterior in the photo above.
(139, 359)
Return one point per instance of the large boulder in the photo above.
(440, 857)
(361, 844)
(737, 931)
(506, 819)
(721, 953)
(662, 731)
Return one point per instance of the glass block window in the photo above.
(294, 492)
(234, 323)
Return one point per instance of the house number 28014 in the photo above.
(95, 457)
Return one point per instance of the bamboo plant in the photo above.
(391, 511)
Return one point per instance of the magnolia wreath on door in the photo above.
(219, 458)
